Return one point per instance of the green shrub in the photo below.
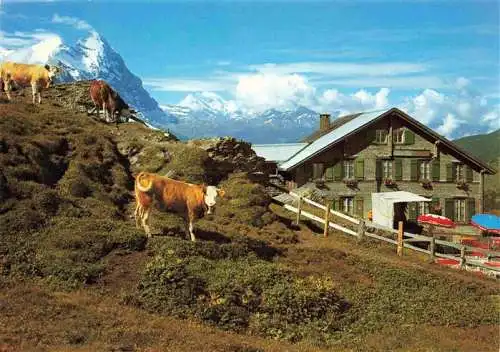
(227, 285)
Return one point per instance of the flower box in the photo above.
(351, 182)
(427, 184)
(389, 182)
(462, 185)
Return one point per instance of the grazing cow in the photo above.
(186, 199)
(103, 96)
(37, 76)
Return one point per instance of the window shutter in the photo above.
(398, 169)
(359, 171)
(468, 174)
(335, 204)
(359, 206)
(436, 170)
(449, 208)
(378, 169)
(337, 171)
(409, 137)
(329, 174)
(413, 170)
(471, 208)
(449, 172)
(412, 211)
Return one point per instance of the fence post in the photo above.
(400, 239)
(361, 229)
(299, 206)
(432, 244)
(327, 221)
(432, 249)
(462, 257)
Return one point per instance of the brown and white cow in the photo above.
(185, 199)
(103, 96)
(37, 76)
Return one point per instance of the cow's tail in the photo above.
(143, 182)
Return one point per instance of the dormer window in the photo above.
(398, 135)
(381, 136)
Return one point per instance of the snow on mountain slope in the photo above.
(207, 114)
(88, 57)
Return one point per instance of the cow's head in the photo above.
(53, 71)
(211, 193)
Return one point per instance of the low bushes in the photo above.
(229, 286)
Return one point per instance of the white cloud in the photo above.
(362, 100)
(186, 85)
(263, 91)
(492, 119)
(30, 47)
(449, 125)
(453, 114)
(402, 82)
(72, 21)
(342, 69)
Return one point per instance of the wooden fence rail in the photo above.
(363, 227)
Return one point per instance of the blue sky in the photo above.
(434, 57)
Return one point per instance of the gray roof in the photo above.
(333, 136)
(277, 152)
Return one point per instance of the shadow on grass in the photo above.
(289, 223)
(238, 243)
(313, 226)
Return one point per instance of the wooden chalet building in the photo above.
(356, 155)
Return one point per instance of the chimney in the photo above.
(324, 122)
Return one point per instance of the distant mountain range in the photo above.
(207, 114)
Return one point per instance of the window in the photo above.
(423, 208)
(317, 171)
(425, 170)
(348, 169)
(459, 172)
(398, 135)
(381, 136)
(347, 204)
(460, 210)
(387, 169)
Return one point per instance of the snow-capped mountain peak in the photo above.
(209, 101)
(84, 56)
(93, 47)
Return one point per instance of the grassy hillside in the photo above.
(484, 146)
(487, 148)
(75, 273)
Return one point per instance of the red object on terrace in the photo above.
(446, 261)
(437, 220)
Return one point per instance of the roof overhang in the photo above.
(400, 197)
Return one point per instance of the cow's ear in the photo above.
(221, 192)
(47, 67)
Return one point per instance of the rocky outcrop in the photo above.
(230, 155)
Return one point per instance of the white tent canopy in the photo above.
(383, 205)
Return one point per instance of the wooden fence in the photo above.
(363, 227)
